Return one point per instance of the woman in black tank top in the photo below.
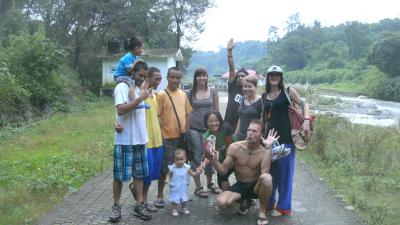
(276, 117)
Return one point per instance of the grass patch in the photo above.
(55, 156)
(362, 163)
(345, 86)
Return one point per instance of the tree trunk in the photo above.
(178, 36)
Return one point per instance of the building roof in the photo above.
(160, 52)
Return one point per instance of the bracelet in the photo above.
(230, 56)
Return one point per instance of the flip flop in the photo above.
(213, 188)
(262, 221)
(199, 192)
(244, 209)
(274, 213)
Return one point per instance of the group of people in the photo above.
(149, 126)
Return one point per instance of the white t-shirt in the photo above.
(134, 122)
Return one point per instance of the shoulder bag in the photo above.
(299, 137)
(185, 140)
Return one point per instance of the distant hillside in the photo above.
(246, 54)
(353, 56)
(356, 57)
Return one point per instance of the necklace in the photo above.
(251, 101)
(272, 97)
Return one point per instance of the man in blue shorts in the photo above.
(130, 154)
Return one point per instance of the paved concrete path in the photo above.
(313, 203)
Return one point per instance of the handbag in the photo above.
(185, 140)
(299, 136)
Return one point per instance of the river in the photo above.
(358, 110)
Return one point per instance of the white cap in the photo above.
(275, 69)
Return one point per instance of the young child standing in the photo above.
(179, 181)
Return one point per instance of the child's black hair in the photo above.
(134, 43)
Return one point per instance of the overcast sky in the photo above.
(250, 19)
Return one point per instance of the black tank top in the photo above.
(279, 119)
(235, 95)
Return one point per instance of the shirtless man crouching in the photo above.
(251, 161)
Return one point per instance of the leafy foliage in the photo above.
(32, 31)
(385, 54)
(13, 97)
(35, 62)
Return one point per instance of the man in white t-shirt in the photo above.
(130, 155)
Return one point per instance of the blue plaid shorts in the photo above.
(130, 161)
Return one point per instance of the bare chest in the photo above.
(249, 159)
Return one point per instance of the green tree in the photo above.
(186, 16)
(385, 54)
(273, 34)
(11, 22)
(357, 36)
(293, 22)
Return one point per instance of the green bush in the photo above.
(34, 60)
(13, 97)
(35, 78)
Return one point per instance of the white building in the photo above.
(160, 58)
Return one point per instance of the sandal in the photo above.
(175, 212)
(213, 188)
(199, 192)
(133, 190)
(244, 207)
(185, 211)
(274, 213)
(262, 221)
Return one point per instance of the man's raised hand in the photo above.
(230, 45)
(272, 137)
(145, 90)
